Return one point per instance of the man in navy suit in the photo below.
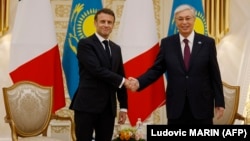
(194, 85)
(102, 81)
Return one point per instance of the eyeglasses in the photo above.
(181, 19)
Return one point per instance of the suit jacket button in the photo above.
(187, 77)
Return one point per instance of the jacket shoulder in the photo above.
(204, 37)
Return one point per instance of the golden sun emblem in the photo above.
(82, 24)
(200, 25)
(85, 26)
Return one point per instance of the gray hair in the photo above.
(183, 8)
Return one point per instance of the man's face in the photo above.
(185, 22)
(104, 24)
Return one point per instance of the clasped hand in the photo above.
(132, 84)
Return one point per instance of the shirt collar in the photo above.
(101, 39)
(190, 37)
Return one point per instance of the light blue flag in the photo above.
(200, 25)
(81, 25)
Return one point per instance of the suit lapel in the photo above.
(197, 44)
(177, 47)
(114, 54)
(101, 49)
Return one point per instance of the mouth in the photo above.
(185, 27)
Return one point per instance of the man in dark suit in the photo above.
(102, 81)
(194, 85)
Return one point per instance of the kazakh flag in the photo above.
(81, 25)
(200, 25)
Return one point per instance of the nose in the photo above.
(106, 24)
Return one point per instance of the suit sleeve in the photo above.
(154, 72)
(216, 77)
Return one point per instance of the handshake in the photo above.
(132, 84)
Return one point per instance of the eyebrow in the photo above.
(185, 17)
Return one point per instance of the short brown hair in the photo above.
(106, 11)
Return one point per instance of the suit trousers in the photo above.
(187, 117)
(101, 124)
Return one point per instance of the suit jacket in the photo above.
(201, 84)
(99, 78)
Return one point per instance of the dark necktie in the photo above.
(186, 53)
(106, 44)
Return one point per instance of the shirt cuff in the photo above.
(123, 81)
(123, 110)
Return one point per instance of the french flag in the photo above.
(137, 37)
(34, 52)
